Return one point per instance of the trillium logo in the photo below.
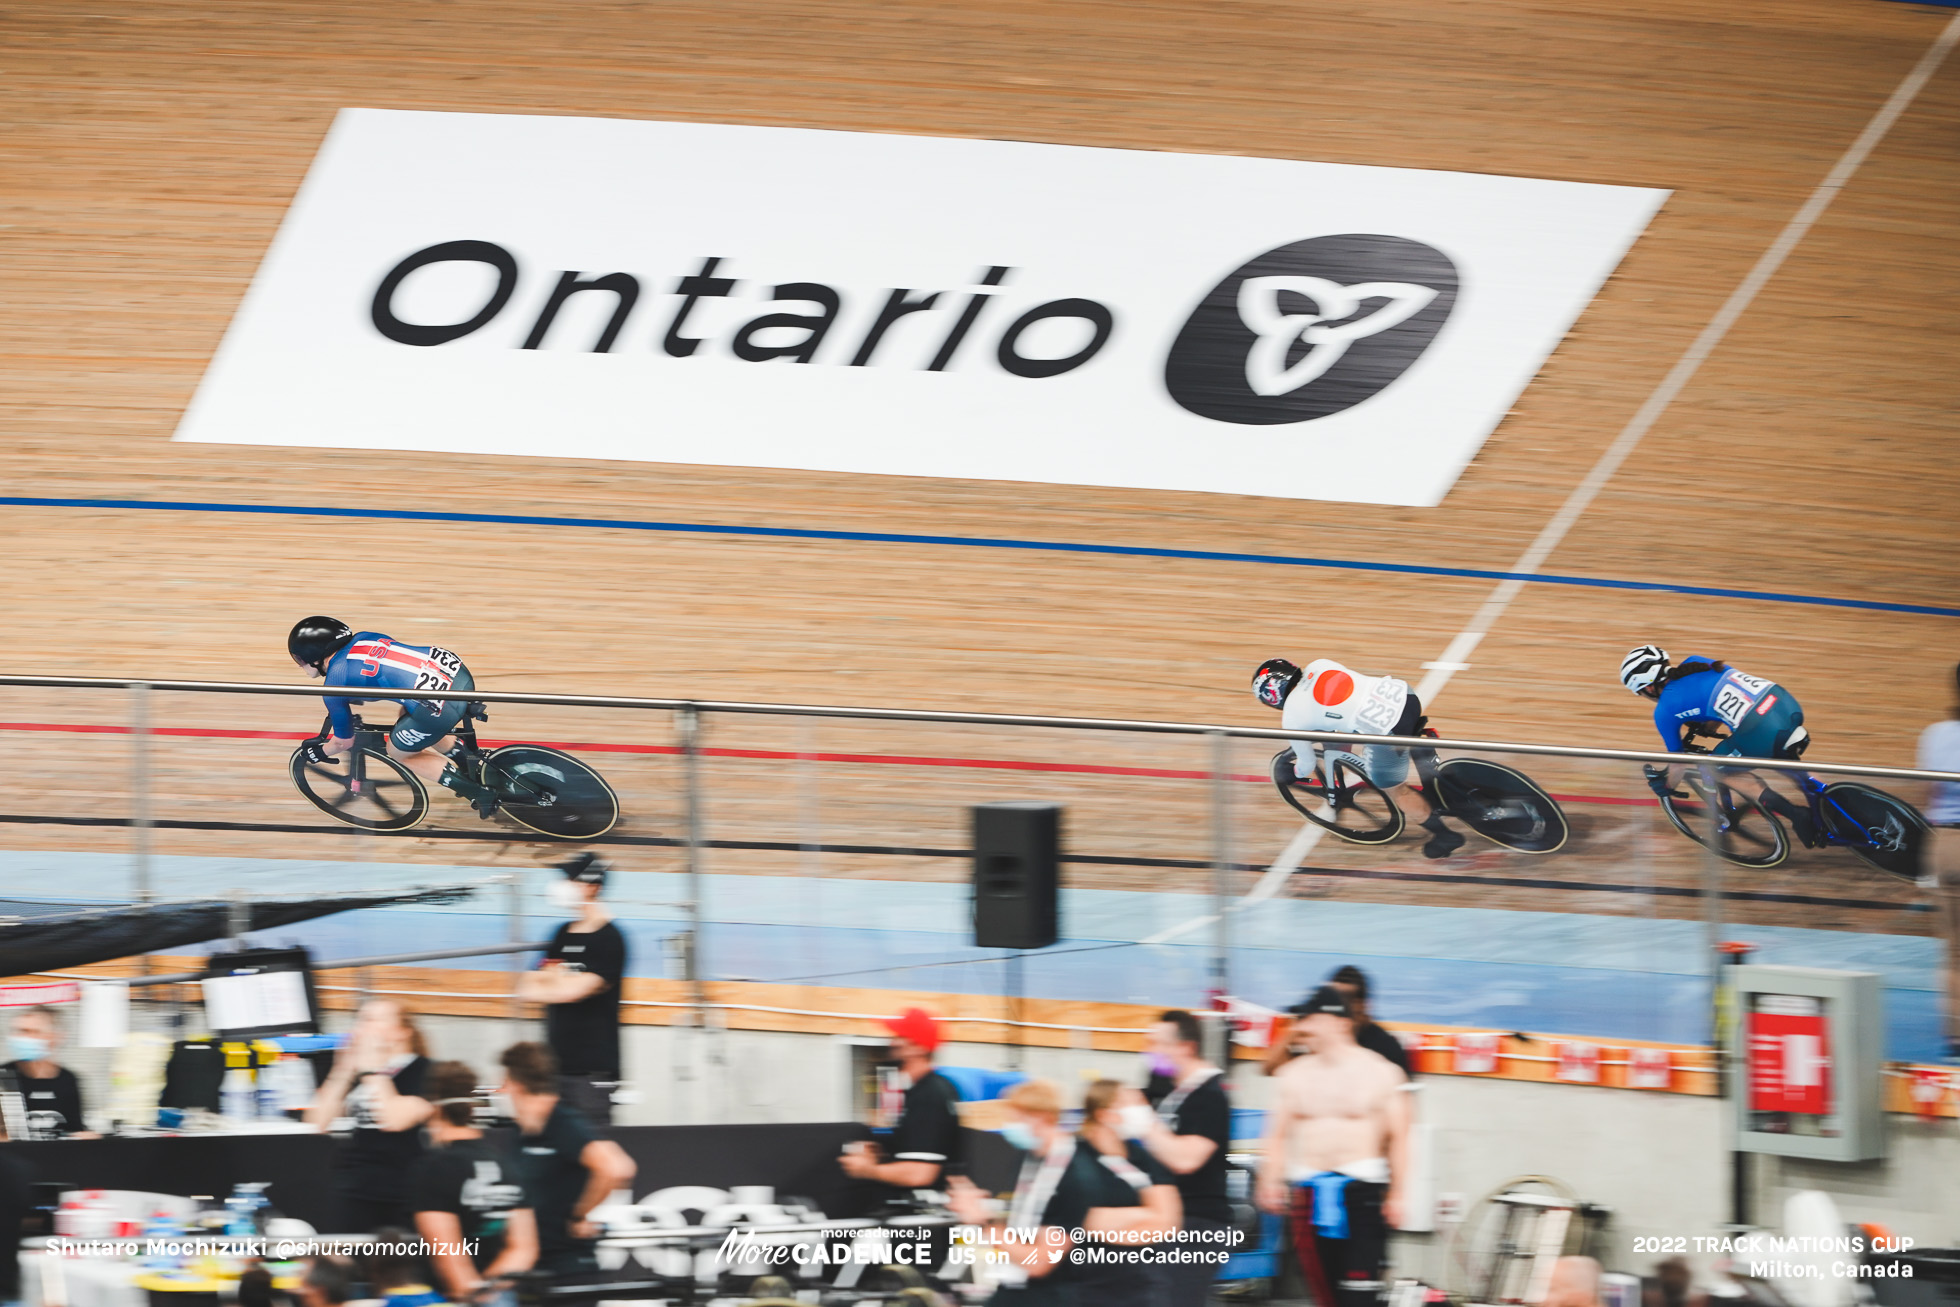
(1310, 329)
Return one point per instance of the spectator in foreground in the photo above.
(1939, 750)
(579, 983)
(377, 1081)
(394, 1274)
(565, 1167)
(328, 1282)
(1574, 1283)
(1140, 1203)
(49, 1091)
(1059, 1184)
(464, 1191)
(925, 1141)
(1351, 981)
(1191, 1135)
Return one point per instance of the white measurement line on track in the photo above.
(1454, 658)
(1684, 369)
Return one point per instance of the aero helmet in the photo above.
(316, 639)
(1275, 680)
(1642, 667)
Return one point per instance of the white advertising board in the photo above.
(776, 297)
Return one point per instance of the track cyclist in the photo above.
(1325, 696)
(1764, 720)
(344, 658)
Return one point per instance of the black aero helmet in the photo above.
(1275, 680)
(316, 639)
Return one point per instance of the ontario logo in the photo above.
(1309, 329)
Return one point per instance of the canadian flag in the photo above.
(1254, 1026)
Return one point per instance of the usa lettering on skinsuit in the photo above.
(770, 297)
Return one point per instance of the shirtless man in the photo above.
(1336, 1153)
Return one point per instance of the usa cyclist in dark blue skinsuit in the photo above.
(1764, 720)
(330, 649)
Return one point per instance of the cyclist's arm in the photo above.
(1673, 733)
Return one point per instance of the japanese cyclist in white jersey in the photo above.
(1764, 719)
(1325, 696)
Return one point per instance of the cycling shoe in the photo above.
(1441, 844)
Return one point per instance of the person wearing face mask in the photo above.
(1059, 1184)
(377, 1080)
(1139, 1203)
(578, 982)
(50, 1095)
(464, 1194)
(1191, 1136)
(925, 1142)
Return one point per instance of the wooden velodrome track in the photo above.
(150, 150)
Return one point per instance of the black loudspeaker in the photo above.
(1017, 858)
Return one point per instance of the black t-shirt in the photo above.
(477, 1181)
(1121, 1184)
(1083, 1184)
(54, 1104)
(928, 1128)
(550, 1169)
(373, 1162)
(1373, 1037)
(1205, 1111)
(585, 1034)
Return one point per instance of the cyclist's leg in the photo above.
(420, 740)
(1776, 733)
(1388, 767)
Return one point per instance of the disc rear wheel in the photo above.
(561, 797)
(1501, 804)
(1883, 829)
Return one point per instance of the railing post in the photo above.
(1221, 863)
(690, 729)
(514, 933)
(139, 787)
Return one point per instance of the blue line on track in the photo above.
(974, 542)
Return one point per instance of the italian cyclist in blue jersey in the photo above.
(347, 659)
(1764, 720)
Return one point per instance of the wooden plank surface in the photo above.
(150, 150)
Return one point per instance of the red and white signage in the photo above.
(1578, 1062)
(1789, 1062)
(1476, 1054)
(1650, 1068)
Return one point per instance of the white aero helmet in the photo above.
(1642, 667)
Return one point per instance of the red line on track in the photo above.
(885, 759)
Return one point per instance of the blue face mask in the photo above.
(1021, 1135)
(26, 1048)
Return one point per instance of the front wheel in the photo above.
(1881, 828)
(1744, 833)
(366, 789)
(551, 792)
(1356, 809)
(1501, 804)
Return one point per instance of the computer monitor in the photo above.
(255, 993)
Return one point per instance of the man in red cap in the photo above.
(925, 1142)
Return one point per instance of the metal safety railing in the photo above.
(1217, 815)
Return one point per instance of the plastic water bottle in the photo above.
(236, 1098)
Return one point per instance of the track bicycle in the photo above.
(544, 790)
(1881, 828)
(1499, 803)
